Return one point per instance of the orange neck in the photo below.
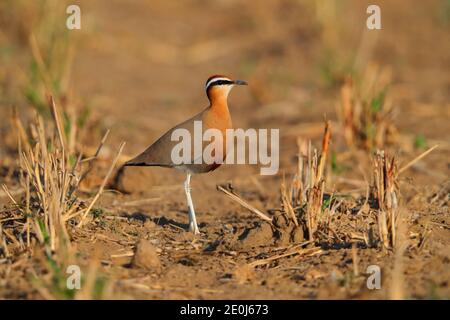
(219, 102)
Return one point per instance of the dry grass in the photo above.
(385, 194)
(303, 201)
(366, 112)
(54, 168)
(40, 222)
(49, 176)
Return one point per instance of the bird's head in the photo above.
(219, 86)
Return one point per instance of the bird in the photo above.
(216, 115)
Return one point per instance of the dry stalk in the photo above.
(385, 193)
(245, 204)
(296, 251)
(308, 185)
(287, 206)
(347, 111)
(105, 180)
(419, 157)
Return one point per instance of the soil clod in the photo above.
(146, 256)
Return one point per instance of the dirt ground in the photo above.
(141, 66)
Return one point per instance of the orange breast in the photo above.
(218, 117)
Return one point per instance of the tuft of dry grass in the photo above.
(366, 112)
(303, 201)
(49, 175)
(385, 196)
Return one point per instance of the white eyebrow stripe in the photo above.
(215, 79)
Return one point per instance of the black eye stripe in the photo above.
(219, 83)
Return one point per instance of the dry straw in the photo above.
(50, 176)
(233, 196)
(385, 194)
(304, 201)
(366, 112)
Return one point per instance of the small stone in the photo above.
(146, 256)
(131, 180)
(297, 235)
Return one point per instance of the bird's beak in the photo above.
(240, 82)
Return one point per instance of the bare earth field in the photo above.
(140, 67)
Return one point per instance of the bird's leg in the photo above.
(192, 220)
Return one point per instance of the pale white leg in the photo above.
(192, 220)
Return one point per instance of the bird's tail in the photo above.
(133, 163)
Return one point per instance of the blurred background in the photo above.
(139, 67)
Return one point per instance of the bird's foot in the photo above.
(194, 228)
